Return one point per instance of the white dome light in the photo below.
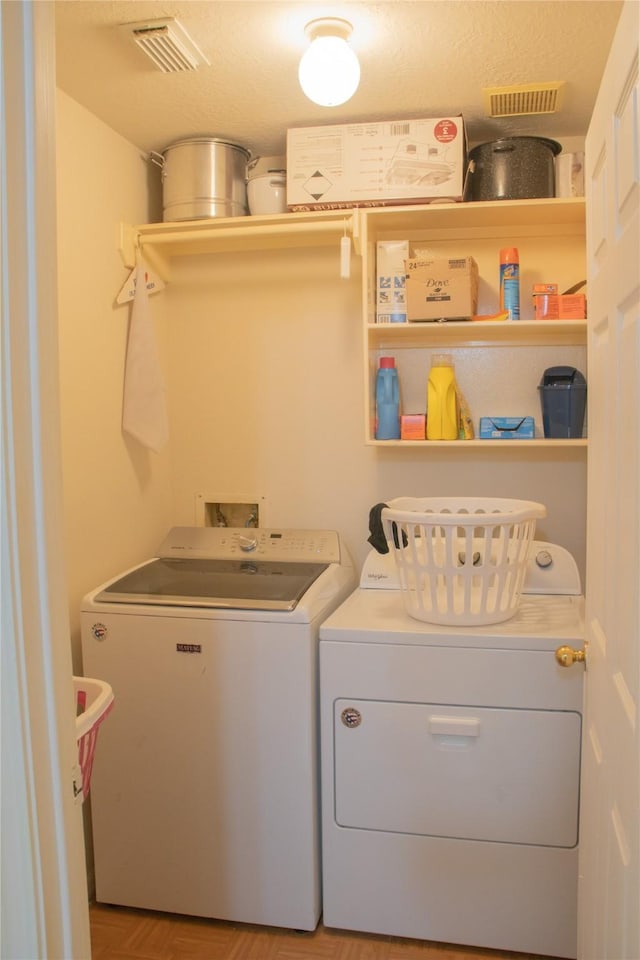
(329, 72)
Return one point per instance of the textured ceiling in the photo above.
(424, 58)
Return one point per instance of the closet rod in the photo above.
(203, 234)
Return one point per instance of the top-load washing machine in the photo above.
(451, 765)
(204, 791)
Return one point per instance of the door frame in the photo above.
(44, 884)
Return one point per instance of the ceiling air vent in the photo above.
(528, 98)
(167, 43)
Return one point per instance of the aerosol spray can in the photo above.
(510, 282)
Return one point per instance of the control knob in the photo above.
(544, 559)
(247, 544)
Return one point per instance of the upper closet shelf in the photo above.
(505, 219)
(483, 218)
(160, 242)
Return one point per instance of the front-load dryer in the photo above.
(205, 785)
(451, 766)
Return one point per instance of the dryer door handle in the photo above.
(454, 726)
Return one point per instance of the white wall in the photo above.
(116, 494)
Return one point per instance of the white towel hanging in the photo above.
(144, 414)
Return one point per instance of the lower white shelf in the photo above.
(514, 445)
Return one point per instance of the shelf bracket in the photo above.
(356, 232)
(130, 240)
(156, 260)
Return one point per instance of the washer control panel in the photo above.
(220, 543)
(551, 569)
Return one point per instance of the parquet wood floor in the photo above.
(120, 933)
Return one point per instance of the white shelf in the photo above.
(477, 333)
(488, 218)
(511, 445)
(163, 241)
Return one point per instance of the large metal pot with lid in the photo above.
(513, 168)
(203, 177)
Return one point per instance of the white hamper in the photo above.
(461, 560)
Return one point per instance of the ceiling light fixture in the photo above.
(329, 72)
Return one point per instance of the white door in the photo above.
(609, 893)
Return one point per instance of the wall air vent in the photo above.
(167, 44)
(527, 98)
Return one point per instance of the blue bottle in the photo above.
(387, 400)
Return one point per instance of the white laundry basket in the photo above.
(461, 560)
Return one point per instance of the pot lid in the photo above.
(266, 166)
(208, 140)
(553, 145)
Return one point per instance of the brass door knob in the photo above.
(567, 656)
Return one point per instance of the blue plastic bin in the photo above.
(563, 397)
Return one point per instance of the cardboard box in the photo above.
(413, 426)
(376, 164)
(562, 307)
(507, 428)
(391, 300)
(442, 289)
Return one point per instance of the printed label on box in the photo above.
(391, 300)
(561, 307)
(507, 428)
(442, 289)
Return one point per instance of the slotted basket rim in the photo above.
(454, 511)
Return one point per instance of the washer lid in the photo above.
(239, 584)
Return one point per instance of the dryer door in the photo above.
(504, 775)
